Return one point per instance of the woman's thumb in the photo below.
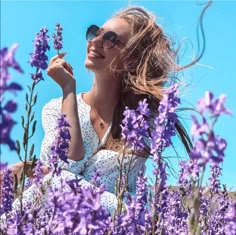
(61, 55)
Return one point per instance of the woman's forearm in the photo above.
(70, 108)
(62, 73)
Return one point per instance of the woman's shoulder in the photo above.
(53, 102)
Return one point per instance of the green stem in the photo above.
(154, 214)
(26, 136)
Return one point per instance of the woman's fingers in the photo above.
(68, 67)
(61, 71)
(63, 63)
(58, 60)
(60, 56)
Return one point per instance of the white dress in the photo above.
(106, 161)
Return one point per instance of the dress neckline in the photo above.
(80, 96)
(108, 131)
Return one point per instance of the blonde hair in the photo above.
(148, 59)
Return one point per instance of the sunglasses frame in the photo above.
(93, 29)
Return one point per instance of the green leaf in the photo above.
(31, 151)
(18, 147)
(22, 121)
(26, 127)
(29, 88)
(34, 160)
(29, 111)
(26, 107)
(27, 97)
(35, 99)
(25, 139)
(34, 127)
(32, 117)
(16, 183)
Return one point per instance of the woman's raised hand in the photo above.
(61, 71)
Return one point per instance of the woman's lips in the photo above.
(95, 54)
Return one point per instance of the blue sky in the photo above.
(20, 21)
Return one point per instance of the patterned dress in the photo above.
(96, 157)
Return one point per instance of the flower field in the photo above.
(191, 208)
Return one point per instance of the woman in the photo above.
(131, 59)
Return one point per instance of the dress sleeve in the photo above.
(50, 114)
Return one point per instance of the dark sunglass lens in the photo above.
(109, 39)
(92, 32)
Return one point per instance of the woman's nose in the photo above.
(97, 40)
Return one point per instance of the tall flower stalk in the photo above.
(136, 132)
(60, 146)
(38, 60)
(208, 148)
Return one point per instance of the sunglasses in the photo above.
(109, 39)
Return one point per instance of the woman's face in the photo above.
(99, 57)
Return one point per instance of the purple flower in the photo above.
(7, 61)
(10, 106)
(38, 56)
(183, 178)
(130, 222)
(135, 131)
(133, 221)
(160, 139)
(6, 126)
(77, 211)
(141, 190)
(38, 173)
(165, 121)
(38, 76)
(230, 227)
(7, 123)
(60, 147)
(3, 166)
(215, 107)
(219, 208)
(135, 126)
(197, 128)
(13, 87)
(57, 42)
(7, 192)
(214, 179)
(188, 170)
(175, 221)
(212, 149)
(208, 147)
(96, 177)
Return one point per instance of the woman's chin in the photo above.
(91, 65)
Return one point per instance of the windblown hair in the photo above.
(148, 59)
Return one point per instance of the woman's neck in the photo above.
(103, 97)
